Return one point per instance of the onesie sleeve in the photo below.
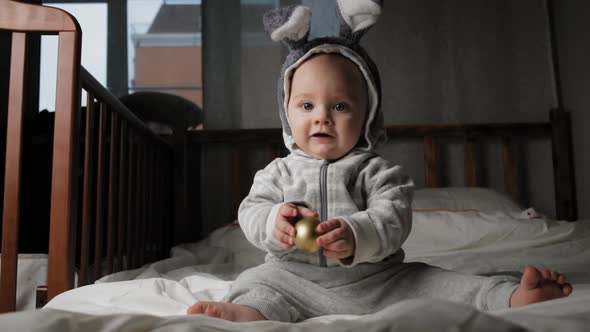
(381, 229)
(258, 211)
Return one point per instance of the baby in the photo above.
(329, 96)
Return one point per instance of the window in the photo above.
(165, 48)
(93, 21)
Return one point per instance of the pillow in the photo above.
(463, 199)
(438, 233)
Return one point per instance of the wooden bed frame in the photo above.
(433, 138)
(113, 182)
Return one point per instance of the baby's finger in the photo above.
(328, 225)
(331, 236)
(288, 211)
(337, 246)
(307, 212)
(283, 238)
(285, 227)
(337, 254)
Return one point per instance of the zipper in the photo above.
(323, 204)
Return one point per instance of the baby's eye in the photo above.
(340, 107)
(307, 106)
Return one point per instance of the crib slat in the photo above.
(141, 206)
(471, 163)
(130, 201)
(136, 204)
(157, 175)
(168, 203)
(60, 269)
(144, 207)
(12, 171)
(163, 199)
(88, 189)
(151, 205)
(112, 193)
(509, 165)
(100, 184)
(430, 163)
(122, 195)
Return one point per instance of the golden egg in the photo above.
(305, 237)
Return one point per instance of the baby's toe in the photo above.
(567, 289)
(196, 308)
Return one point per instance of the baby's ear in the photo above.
(357, 16)
(288, 24)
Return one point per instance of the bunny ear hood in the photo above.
(291, 26)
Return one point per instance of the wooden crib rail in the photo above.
(18, 16)
(126, 177)
(111, 177)
(20, 19)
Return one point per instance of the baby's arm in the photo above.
(384, 225)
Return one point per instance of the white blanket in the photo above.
(205, 270)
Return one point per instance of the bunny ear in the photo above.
(357, 16)
(288, 24)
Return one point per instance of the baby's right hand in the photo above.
(288, 214)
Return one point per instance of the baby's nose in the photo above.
(322, 116)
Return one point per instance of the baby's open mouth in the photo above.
(321, 135)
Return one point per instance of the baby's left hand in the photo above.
(337, 238)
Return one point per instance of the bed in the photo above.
(137, 279)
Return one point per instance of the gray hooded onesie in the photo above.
(361, 188)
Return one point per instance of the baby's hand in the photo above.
(284, 230)
(337, 239)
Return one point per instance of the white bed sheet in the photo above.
(205, 270)
(31, 272)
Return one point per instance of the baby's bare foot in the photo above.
(536, 286)
(228, 311)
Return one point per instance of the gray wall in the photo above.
(574, 58)
(466, 61)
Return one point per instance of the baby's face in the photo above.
(327, 106)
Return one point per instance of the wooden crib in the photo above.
(112, 182)
(111, 176)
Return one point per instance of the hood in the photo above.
(291, 26)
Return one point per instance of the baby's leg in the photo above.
(536, 286)
(228, 311)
